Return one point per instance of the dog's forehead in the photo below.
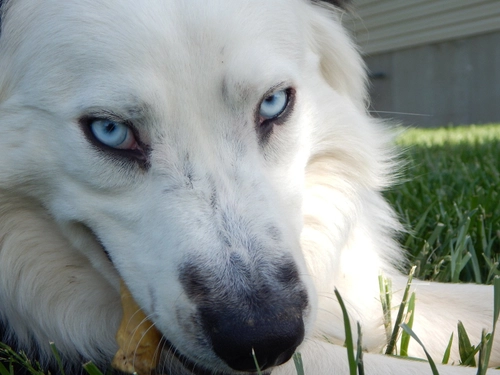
(176, 44)
(162, 32)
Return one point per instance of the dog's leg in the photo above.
(321, 358)
(49, 291)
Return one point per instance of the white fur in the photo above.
(190, 74)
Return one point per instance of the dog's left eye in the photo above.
(113, 134)
(274, 109)
(274, 105)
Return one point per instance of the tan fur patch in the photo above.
(137, 338)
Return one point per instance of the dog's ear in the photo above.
(343, 4)
(341, 63)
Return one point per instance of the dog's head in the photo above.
(170, 141)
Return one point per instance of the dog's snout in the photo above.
(251, 308)
(272, 337)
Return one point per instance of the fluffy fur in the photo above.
(230, 229)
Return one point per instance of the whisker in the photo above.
(161, 349)
(135, 329)
(152, 326)
(402, 113)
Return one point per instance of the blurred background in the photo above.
(432, 62)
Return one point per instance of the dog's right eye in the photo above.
(113, 134)
(273, 105)
(274, 109)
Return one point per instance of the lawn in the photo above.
(448, 198)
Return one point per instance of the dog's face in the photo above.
(170, 141)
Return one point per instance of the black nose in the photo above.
(273, 337)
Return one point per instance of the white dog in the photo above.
(218, 157)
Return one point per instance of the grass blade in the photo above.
(299, 366)
(91, 369)
(359, 352)
(481, 368)
(496, 301)
(4, 371)
(348, 335)
(415, 337)
(19, 358)
(493, 266)
(446, 356)
(405, 337)
(435, 234)
(465, 348)
(475, 263)
(256, 362)
(421, 222)
(481, 235)
(496, 311)
(385, 287)
(57, 356)
(399, 318)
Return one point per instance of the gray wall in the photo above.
(452, 82)
(389, 25)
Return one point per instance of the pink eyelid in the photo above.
(130, 142)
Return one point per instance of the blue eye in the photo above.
(111, 133)
(274, 105)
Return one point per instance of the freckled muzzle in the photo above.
(249, 311)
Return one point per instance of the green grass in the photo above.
(448, 198)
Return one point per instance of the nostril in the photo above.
(272, 339)
(245, 306)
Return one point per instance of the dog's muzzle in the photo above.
(249, 312)
(272, 336)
